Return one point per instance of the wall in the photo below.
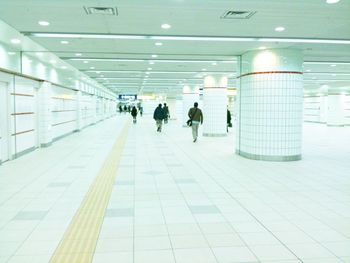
(64, 111)
(315, 109)
(23, 101)
(41, 112)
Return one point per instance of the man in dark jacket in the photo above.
(158, 115)
(196, 116)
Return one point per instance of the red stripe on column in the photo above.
(271, 72)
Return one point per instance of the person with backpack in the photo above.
(158, 116)
(196, 116)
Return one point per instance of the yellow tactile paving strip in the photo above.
(79, 241)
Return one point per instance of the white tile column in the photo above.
(335, 113)
(44, 114)
(190, 95)
(171, 102)
(270, 105)
(215, 106)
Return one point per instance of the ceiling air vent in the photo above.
(237, 14)
(101, 11)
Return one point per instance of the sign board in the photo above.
(127, 97)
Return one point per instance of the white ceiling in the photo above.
(174, 65)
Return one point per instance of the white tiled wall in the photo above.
(347, 109)
(215, 111)
(63, 111)
(315, 109)
(87, 109)
(39, 112)
(23, 115)
(270, 114)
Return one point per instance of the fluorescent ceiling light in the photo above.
(155, 72)
(332, 1)
(152, 62)
(165, 26)
(159, 44)
(78, 54)
(304, 40)
(92, 67)
(11, 53)
(189, 38)
(154, 56)
(64, 42)
(262, 48)
(85, 62)
(279, 29)
(15, 41)
(43, 23)
(333, 65)
(325, 63)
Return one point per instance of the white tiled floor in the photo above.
(178, 201)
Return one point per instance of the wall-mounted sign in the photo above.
(127, 97)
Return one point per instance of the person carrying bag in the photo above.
(196, 116)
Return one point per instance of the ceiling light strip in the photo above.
(188, 38)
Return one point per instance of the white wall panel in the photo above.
(63, 111)
(23, 115)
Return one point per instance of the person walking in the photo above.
(196, 116)
(134, 114)
(166, 113)
(125, 109)
(158, 116)
(229, 124)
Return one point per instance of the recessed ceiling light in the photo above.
(151, 62)
(11, 53)
(149, 68)
(52, 61)
(15, 41)
(147, 73)
(43, 23)
(98, 72)
(78, 54)
(214, 63)
(333, 65)
(262, 48)
(279, 29)
(166, 26)
(92, 67)
(85, 61)
(158, 43)
(332, 1)
(154, 56)
(308, 70)
(204, 69)
(64, 42)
